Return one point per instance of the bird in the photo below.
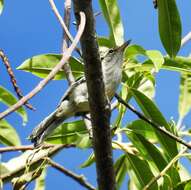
(75, 100)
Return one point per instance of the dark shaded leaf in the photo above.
(69, 133)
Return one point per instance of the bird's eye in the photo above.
(111, 51)
(101, 58)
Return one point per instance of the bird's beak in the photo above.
(123, 46)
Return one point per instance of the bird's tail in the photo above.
(40, 132)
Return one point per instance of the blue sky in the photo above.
(29, 28)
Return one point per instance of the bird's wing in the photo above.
(70, 89)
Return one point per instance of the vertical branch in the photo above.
(99, 108)
(67, 15)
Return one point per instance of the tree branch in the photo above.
(36, 158)
(155, 125)
(99, 107)
(78, 178)
(51, 75)
(29, 147)
(186, 39)
(66, 67)
(12, 78)
(55, 10)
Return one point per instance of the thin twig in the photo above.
(162, 173)
(78, 178)
(185, 39)
(149, 121)
(52, 74)
(67, 14)
(29, 147)
(55, 10)
(12, 78)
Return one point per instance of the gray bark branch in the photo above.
(99, 107)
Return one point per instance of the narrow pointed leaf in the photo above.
(120, 170)
(185, 95)
(179, 64)
(154, 157)
(169, 26)
(111, 13)
(139, 171)
(41, 65)
(8, 135)
(89, 161)
(9, 99)
(69, 133)
(151, 111)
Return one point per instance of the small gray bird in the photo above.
(75, 100)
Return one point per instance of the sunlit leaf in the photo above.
(185, 95)
(134, 50)
(169, 26)
(1, 5)
(156, 57)
(139, 171)
(179, 64)
(41, 65)
(105, 42)
(69, 133)
(9, 99)
(144, 129)
(153, 156)
(152, 112)
(120, 170)
(8, 135)
(89, 161)
(111, 13)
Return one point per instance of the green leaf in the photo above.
(185, 94)
(139, 171)
(8, 99)
(111, 13)
(134, 50)
(40, 181)
(156, 57)
(179, 64)
(69, 133)
(142, 128)
(184, 185)
(89, 161)
(104, 42)
(169, 26)
(153, 156)
(1, 6)
(8, 135)
(41, 65)
(120, 170)
(151, 111)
